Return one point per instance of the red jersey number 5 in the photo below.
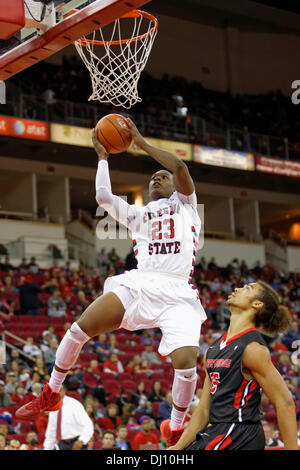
(214, 381)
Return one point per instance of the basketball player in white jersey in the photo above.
(158, 294)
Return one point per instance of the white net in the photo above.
(115, 64)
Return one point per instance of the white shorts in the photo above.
(159, 300)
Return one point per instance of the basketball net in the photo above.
(115, 64)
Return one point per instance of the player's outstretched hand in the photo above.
(136, 135)
(100, 150)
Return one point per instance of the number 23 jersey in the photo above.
(165, 234)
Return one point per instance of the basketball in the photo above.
(111, 134)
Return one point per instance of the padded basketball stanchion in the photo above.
(12, 17)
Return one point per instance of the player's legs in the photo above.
(184, 361)
(103, 315)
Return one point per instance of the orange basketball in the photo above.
(111, 134)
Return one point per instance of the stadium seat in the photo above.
(107, 376)
(124, 376)
(97, 445)
(112, 386)
(155, 406)
(158, 376)
(148, 385)
(90, 380)
(140, 376)
(74, 394)
(20, 437)
(26, 319)
(128, 385)
(165, 385)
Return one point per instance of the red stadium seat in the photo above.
(155, 406)
(128, 385)
(140, 376)
(148, 385)
(74, 394)
(112, 387)
(107, 376)
(90, 380)
(26, 319)
(158, 376)
(97, 445)
(124, 376)
(165, 385)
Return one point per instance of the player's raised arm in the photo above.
(182, 180)
(257, 360)
(114, 205)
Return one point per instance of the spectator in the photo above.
(2, 441)
(70, 427)
(113, 344)
(29, 301)
(11, 382)
(40, 367)
(108, 440)
(6, 266)
(101, 347)
(36, 378)
(270, 435)
(15, 356)
(156, 394)
(113, 365)
(129, 416)
(94, 367)
(111, 420)
(6, 311)
(203, 346)
(45, 344)
(130, 262)
(5, 399)
(33, 266)
(23, 266)
(30, 348)
(14, 444)
(121, 441)
(19, 396)
(113, 257)
(141, 401)
(165, 408)
(56, 305)
(149, 355)
(50, 353)
(8, 284)
(145, 439)
(32, 441)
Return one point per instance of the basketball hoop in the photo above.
(115, 64)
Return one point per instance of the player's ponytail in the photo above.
(273, 317)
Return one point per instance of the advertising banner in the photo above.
(224, 158)
(276, 166)
(24, 128)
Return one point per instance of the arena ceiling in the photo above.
(245, 14)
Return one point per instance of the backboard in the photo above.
(51, 25)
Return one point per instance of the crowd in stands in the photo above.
(122, 381)
(167, 98)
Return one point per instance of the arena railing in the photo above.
(4, 334)
(172, 128)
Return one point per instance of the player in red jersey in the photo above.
(228, 415)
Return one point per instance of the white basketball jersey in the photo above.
(165, 235)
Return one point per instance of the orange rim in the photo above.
(132, 14)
